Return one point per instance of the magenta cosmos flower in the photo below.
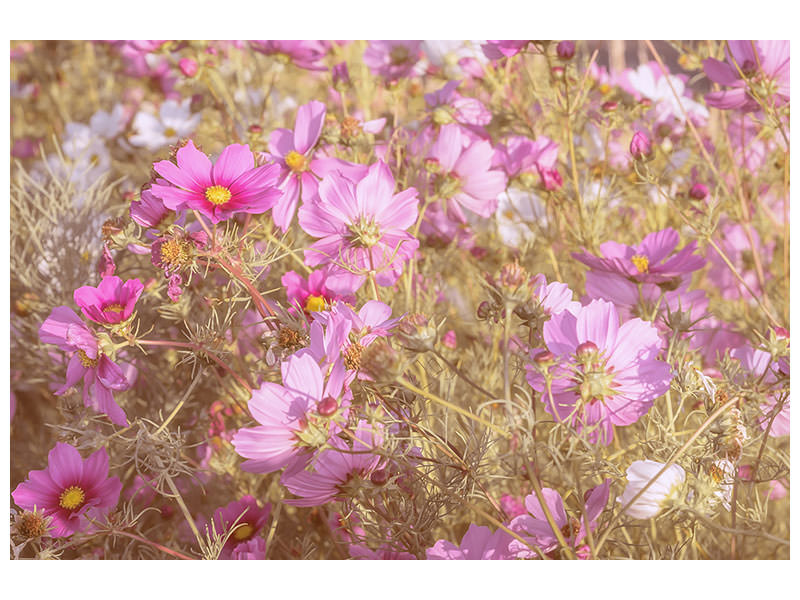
(761, 66)
(338, 471)
(311, 294)
(306, 54)
(111, 302)
(218, 191)
(479, 543)
(362, 226)
(497, 49)
(243, 519)
(100, 376)
(535, 528)
(294, 419)
(293, 152)
(649, 261)
(603, 374)
(392, 59)
(69, 489)
(464, 173)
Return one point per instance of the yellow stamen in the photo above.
(169, 132)
(641, 262)
(117, 308)
(87, 362)
(296, 162)
(315, 304)
(72, 498)
(217, 194)
(243, 532)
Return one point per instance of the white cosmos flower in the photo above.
(644, 81)
(174, 121)
(518, 212)
(108, 125)
(666, 487)
(447, 53)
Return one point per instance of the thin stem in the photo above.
(181, 403)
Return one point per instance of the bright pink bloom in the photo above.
(343, 464)
(293, 152)
(767, 72)
(649, 261)
(392, 59)
(229, 186)
(535, 527)
(497, 49)
(605, 374)
(311, 294)
(306, 54)
(363, 228)
(188, 67)
(245, 519)
(69, 489)
(100, 376)
(479, 543)
(148, 211)
(294, 418)
(111, 302)
(465, 176)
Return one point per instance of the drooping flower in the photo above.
(69, 489)
(465, 177)
(666, 488)
(294, 418)
(87, 362)
(478, 543)
(243, 519)
(174, 121)
(649, 261)
(300, 170)
(753, 68)
(535, 527)
(392, 59)
(111, 302)
(231, 185)
(339, 471)
(363, 228)
(604, 374)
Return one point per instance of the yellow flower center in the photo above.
(243, 532)
(315, 303)
(87, 362)
(604, 88)
(296, 162)
(175, 252)
(217, 194)
(117, 308)
(641, 262)
(169, 132)
(72, 498)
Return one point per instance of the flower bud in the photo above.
(188, 67)
(341, 76)
(484, 310)
(565, 49)
(586, 349)
(641, 148)
(610, 106)
(551, 178)
(255, 129)
(698, 191)
(379, 477)
(416, 333)
(328, 406)
(664, 490)
(558, 72)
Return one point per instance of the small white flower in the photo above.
(174, 121)
(517, 211)
(108, 125)
(666, 487)
(643, 80)
(447, 53)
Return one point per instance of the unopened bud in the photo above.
(586, 349)
(565, 49)
(484, 310)
(188, 67)
(543, 358)
(698, 191)
(379, 477)
(558, 72)
(327, 406)
(416, 333)
(641, 148)
(610, 106)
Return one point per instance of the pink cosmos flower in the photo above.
(535, 527)
(111, 302)
(761, 65)
(497, 49)
(758, 363)
(245, 519)
(229, 186)
(465, 177)
(338, 471)
(293, 152)
(311, 294)
(520, 154)
(363, 228)
(733, 240)
(148, 211)
(604, 374)
(512, 505)
(649, 261)
(448, 106)
(294, 418)
(69, 489)
(392, 59)
(100, 376)
(306, 54)
(479, 543)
